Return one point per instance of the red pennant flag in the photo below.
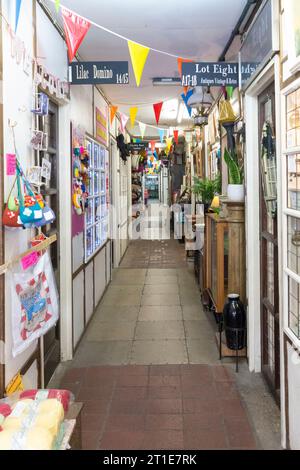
(175, 133)
(152, 145)
(185, 90)
(157, 110)
(75, 30)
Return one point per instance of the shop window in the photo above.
(293, 119)
(293, 182)
(293, 244)
(96, 215)
(49, 125)
(294, 304)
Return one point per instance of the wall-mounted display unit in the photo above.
(96, 215)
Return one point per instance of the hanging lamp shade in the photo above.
(201, 98)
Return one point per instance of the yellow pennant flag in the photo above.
(113, 110)
(133, 112)
(138, 56)
(169, 144)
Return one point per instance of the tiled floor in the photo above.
(161, 407)
(147, 369)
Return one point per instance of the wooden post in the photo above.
(237, 249)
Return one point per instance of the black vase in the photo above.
(235, 322)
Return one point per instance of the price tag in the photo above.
(11, 164)
(29, 260)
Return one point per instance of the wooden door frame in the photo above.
(265, 237)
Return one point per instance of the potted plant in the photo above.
(235, 190)
(205, 190)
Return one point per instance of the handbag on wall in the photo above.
(11, 213)
(30, 209)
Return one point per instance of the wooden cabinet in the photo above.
(225, 255)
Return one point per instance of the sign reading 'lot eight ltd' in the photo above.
(101, 73)
(210, 74)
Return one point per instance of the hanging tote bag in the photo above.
(34, 302)
(48, 217)
(11, 213)
(226, 112)
(30, 210)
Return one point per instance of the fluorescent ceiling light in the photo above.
(170, 110)
(166, 81)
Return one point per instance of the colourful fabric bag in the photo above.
(30, 209)
(11, 213)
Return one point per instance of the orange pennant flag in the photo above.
(113, 111)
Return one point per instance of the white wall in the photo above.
(17, 102)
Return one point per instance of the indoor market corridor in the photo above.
(147, 369)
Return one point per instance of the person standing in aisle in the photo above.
(146, 196)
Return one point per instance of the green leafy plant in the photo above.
(236, 175)
(205, 189)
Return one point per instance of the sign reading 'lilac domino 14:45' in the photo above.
(101, 73)
(210, 74)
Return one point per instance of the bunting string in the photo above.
(120, 36)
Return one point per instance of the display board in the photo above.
(96, 215)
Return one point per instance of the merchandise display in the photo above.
(96, 215)
(34, 419)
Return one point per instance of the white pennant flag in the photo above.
(142, 129)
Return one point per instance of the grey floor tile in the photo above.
(192, 299)
(158, 280)
(127, 281)
(193, 312)
(161, 289)
(132, 289)
(161, 272)
(121, 299)
(159, 330)
(110, 313)
(160, 299)
(159, 352)
(160, 313)
(103, 353)
(111, 331)
(196, 329)
(131, 272)
(202, 352)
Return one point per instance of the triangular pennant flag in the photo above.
(185, 89)
(157, 110)
(142, 129)
(161, 134)
(152, 145)
(75, 30)
(18, 8)
(124, 120)
(175, 133)
(185, 99)
(229, 91)
(113, 111)
(133, 112)
(57, 5)
(138, 54)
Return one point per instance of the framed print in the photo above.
(292, 29)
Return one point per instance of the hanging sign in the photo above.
(210, 74)
(257, 47)
(101, 73)
(138, 146)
